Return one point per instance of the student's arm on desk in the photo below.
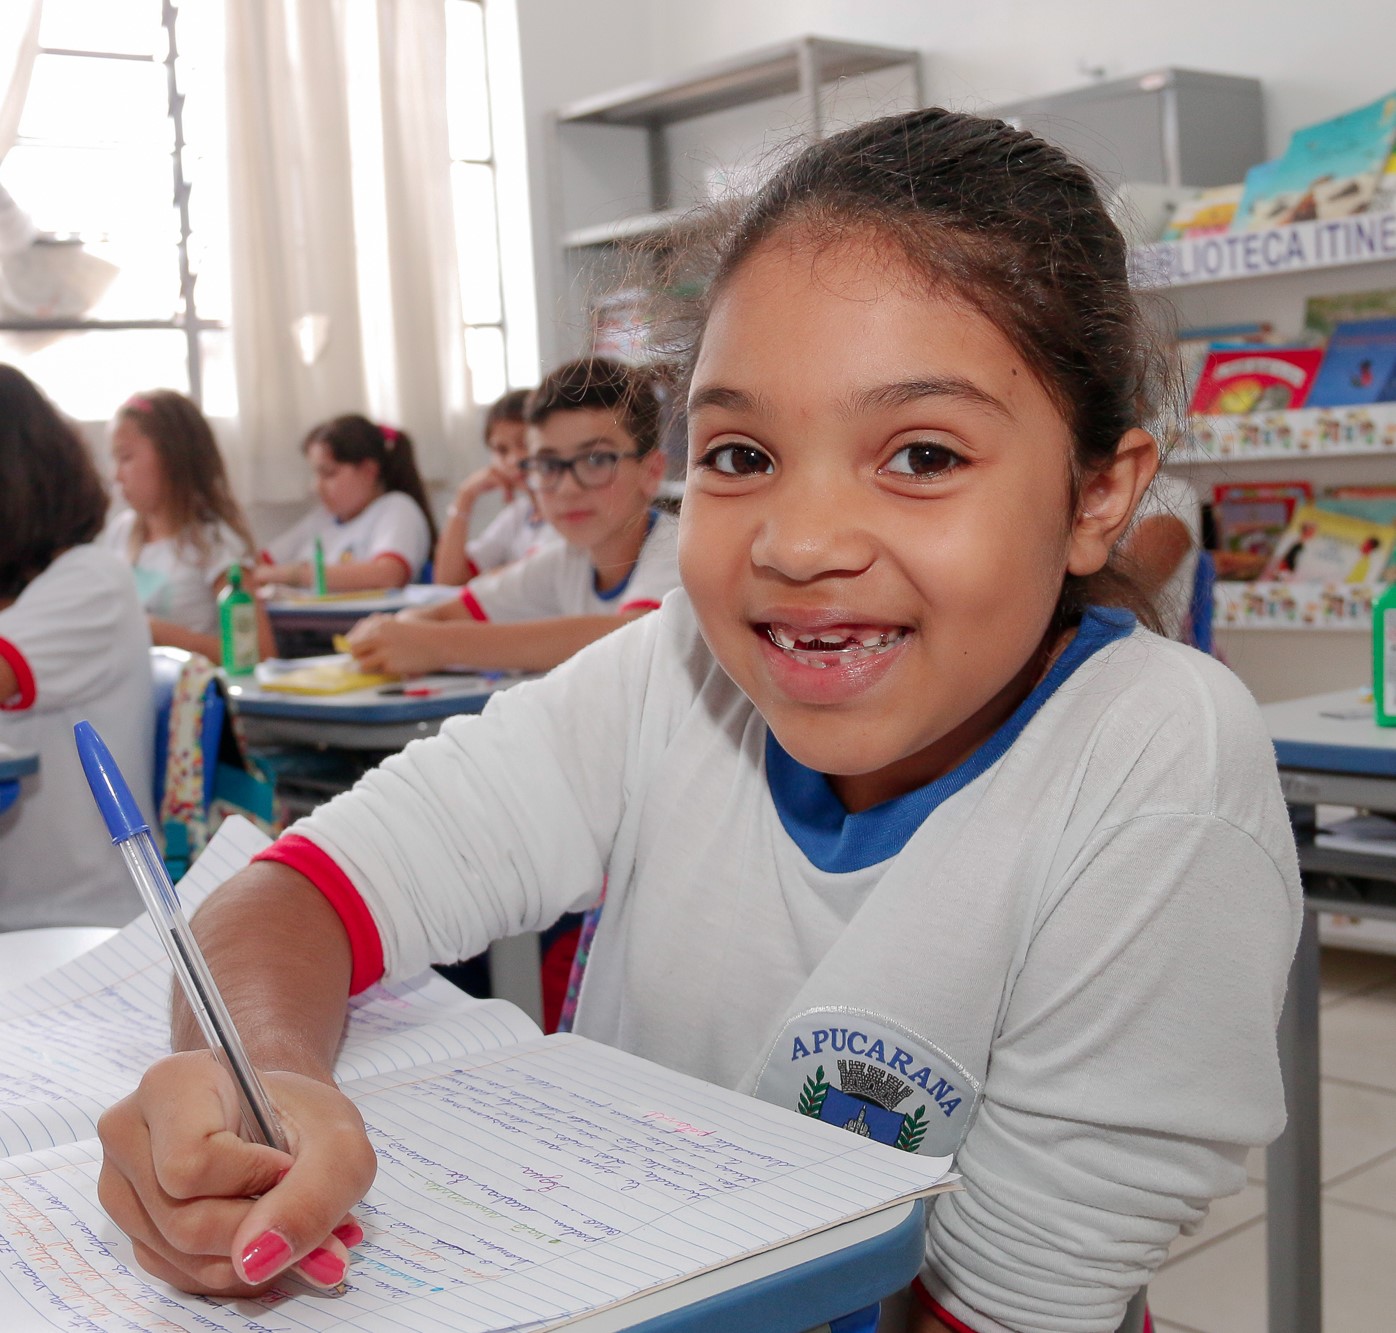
(175, 1176)
(173, 635)
(406, 645)
(383, 571)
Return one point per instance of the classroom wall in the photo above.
(1313, 60)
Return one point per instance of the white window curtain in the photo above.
(343, 245)
(19, 44)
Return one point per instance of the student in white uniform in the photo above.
(182, 530)
(594, 466)
(518, 530)
(904, 817)
(74, 646)
(373, 521)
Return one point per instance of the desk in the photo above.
(790, 1289)
(27, 954)
(305, 624)
(371, 724)
(365, 720)
(1330, 752)
(14, 765)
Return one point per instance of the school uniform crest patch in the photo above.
(871, 1077)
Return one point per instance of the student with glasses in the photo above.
(593, 468)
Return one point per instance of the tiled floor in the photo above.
(1214, 1282)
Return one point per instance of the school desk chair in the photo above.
(202, 769)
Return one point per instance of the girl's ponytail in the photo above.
(399, 471)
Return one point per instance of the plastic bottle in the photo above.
(237, 623)
(1384, 657)
(318, 566)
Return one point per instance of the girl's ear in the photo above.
(1108, 499)
(652, 471)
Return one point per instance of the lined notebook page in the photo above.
(515, 1191)
(80, 1037)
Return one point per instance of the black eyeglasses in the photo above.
(544, 472)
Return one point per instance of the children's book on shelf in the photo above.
(1320, 546)
(1329, 170)
(1359, 365)
(1259, 379)
(1250, 519)
(523, 1181)
(1323, 314)
(1193, 345)
(1208, 213)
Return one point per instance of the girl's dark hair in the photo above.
(353, 438)
(599, 382)
(510, 407)
(196, 482)
(1012, 227)
(51, 497)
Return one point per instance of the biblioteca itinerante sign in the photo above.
(1246, 254)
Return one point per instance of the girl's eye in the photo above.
(736, 460)
(922, 460)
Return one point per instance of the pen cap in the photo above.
(113, 796)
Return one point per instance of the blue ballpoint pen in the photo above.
(131, 833)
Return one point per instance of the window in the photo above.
(473, 191)
(119, 162)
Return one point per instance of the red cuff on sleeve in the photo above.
(929, 1302)
(640, 604)
(467, 600)
(401, 559)
(472, 570)
(365, 944)
(26, 691)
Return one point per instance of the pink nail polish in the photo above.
(265, 1257)
(350, 1234)
(323, 1267)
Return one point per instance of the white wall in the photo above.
(1314, 60)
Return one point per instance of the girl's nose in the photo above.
(812, 533)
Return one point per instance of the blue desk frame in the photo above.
(794, 1299)
(359, 719)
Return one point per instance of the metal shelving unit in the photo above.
(640, 204)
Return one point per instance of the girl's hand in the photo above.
(289, 576)
(210, 1213)
(493, 477)
(396, 646)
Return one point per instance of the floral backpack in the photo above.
(204, 772)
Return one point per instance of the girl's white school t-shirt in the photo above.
(79, 645)
(392, 525)
(174, 580)
(515, 533)
(1105, 898)
(560, 581)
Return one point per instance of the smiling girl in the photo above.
(373, 519)
(899, 801)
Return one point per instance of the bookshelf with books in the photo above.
(1285, 638)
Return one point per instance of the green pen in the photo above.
(319, 566)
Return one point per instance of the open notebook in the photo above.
(523, 1182)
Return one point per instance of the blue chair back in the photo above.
(1200, 609)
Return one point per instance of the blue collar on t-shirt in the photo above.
(611, 594)
(837, 841)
